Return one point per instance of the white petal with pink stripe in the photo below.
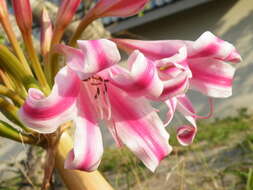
(88, 147)
(45, 114)
(142, 80)
(139, 127)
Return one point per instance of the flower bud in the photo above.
(66, 12)
(23, 14)
(3, 9)
(46, 32)
(121, 8)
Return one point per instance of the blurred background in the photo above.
(221, 157)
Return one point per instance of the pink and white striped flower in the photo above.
(205, 70)
(207, 58)
(92, 87)
(83, 92)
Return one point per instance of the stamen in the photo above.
(96, 84)
(109, 106)
(85, 80)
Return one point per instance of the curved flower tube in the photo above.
(207, 51)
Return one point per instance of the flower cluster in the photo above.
(93, 86)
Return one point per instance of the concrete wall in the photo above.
(231, 20)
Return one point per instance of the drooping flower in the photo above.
(96, 88)
(83, 93)
(207, 58)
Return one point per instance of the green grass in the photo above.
(220, 131)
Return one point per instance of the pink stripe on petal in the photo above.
(98, 55)
(153, 50)
(208, 45)
(142, 80)
(139, 127)
(92, 57)
(88, 147)
(45, 114)
(186, 134)
(234, 57)
(175, 86)
(212, 77)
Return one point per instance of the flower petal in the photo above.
(45, 114)
(172, 66)
(175, 86)
(171, 104)
(92, 57)
(186, 134)
(212, 77)
(185, 107)
(139, 127)
(88, 147)
(153, 50)
(143, 79)
(208, 45)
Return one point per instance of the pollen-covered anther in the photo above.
(100, 84)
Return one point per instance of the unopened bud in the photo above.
(46, 32)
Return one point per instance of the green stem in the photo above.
(20, 89)
(12, 95)
(6, 80)
(12, 65)
(89, 18)
(10, 132)
(36, 64)
(10, 112)
(51, 60)
(14, 42)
